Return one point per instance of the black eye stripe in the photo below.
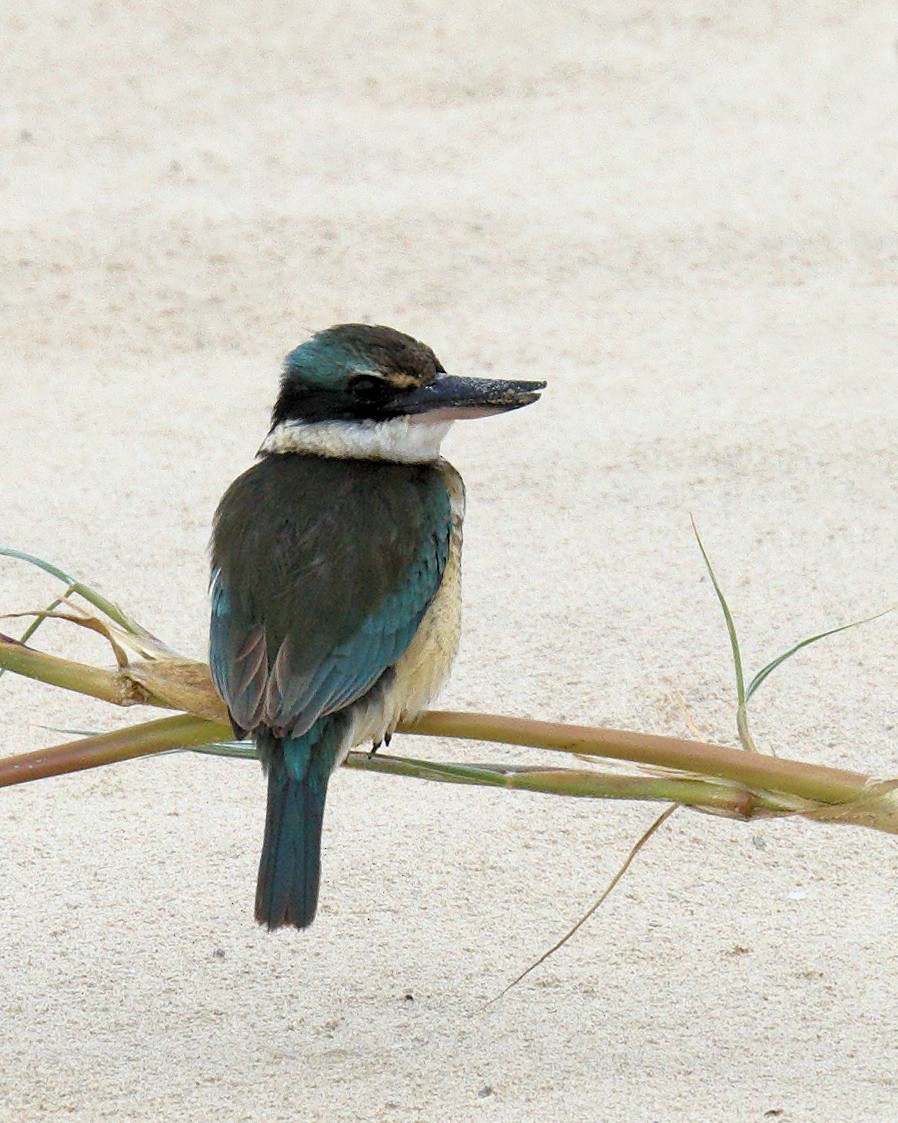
(367, 388)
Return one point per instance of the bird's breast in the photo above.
(424, 667)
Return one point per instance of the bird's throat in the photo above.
(406, 440)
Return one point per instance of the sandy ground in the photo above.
(683, 216)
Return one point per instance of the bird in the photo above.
(335, 576)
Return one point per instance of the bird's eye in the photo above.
(367, 388)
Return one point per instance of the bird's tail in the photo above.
(290, 868)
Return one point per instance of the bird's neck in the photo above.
(406, 440)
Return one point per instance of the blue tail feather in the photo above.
(290, 867)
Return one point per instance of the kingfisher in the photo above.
(335, 576)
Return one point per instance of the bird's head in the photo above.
(360, 391)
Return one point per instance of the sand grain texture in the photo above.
(682, 216)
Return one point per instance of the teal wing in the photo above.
(322, 571)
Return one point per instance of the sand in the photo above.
(682, 216)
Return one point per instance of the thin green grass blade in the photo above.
(238, 750)
(727, 615)
(70, 732)
(110, 608)
(780, 659)
(745, 737)
(47, 567)
(241, 750)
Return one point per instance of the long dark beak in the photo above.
(450, 398)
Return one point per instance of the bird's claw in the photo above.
(387, 738)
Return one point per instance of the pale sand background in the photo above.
(683, 215)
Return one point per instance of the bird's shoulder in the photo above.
(297, 538)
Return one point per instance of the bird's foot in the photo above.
(387, 738)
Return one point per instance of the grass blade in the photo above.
(110, 608)
(773, 664)
(609, 889)
(745, 737)
(727, 615)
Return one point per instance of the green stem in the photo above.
(814, 782)
(182, 731)
(185, 732)
(585, 783)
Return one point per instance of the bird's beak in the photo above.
(452, 399)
